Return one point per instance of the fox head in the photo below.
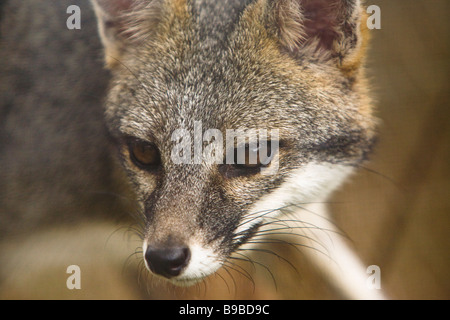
(290, 68)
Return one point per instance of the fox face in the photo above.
(270, 103)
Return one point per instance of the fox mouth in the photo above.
(239, 240)
(187, 282)
(204, 262)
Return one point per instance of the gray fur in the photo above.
(56, 160)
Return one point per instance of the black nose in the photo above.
(167, 262)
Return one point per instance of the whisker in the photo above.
(244, 272)
(331, 221)
(263, 237)
(138, 252)
(263, 213)
(391, 180)
(273, 253)
(258, 263)
(295, 245)
(259, 215)
(226, 283)
(287, 227)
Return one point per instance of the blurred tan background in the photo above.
(396, 210)
(399, 217)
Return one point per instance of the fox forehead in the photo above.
(229, 77)
(216, 61)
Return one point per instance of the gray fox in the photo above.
(269, 96)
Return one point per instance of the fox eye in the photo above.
(251, 157)
(248, 161)
(144, 154)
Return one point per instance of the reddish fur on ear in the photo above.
(321, 29)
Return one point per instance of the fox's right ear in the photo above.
(122, 23)
(322, 30)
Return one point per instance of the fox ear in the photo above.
(321, 29)
(124, 22)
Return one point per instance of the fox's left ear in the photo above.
(322, 30)
(122, 23)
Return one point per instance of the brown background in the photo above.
(399, 217)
